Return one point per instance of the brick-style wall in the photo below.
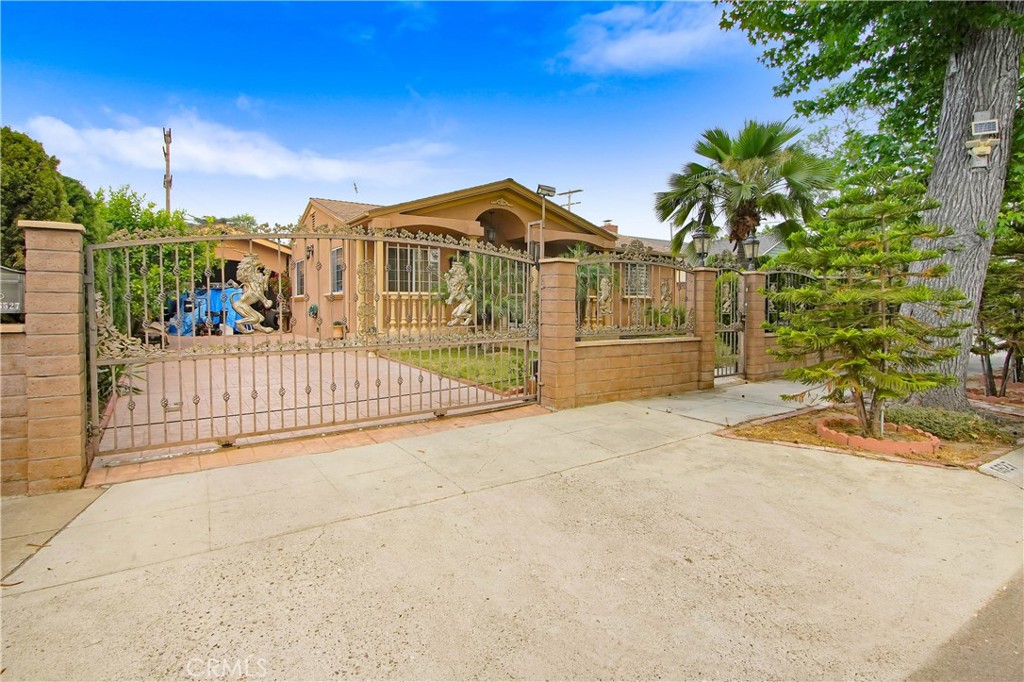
(758, 363)
(557, 333)
(576, 373)
(762, 365)
(635, 368)
(43, 446)
(13, 411)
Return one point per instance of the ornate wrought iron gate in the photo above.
(233, 338)
(729, 319)
(634, 293)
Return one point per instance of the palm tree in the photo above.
(749, 178)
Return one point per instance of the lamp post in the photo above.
(544, 191)
(751, 245)
(701, 242)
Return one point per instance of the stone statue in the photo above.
(254, 283)
(457, 280)
(604, 298)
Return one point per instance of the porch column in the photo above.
(557, 333)
(55, 379)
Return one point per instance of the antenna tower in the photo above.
(168, 178)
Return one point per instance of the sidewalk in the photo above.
(665, 550)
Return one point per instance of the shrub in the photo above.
(946, 424)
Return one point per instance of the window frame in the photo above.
(628, 289)
(337, 270)
(416, 279)
(299, 279)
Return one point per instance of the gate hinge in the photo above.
(88, 279)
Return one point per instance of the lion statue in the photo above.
(458, 282)
(254, 283)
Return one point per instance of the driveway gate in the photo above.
(729, 319)
(229, 338)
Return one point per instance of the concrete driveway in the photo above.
(617, 541)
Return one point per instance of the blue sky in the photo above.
(272, 103)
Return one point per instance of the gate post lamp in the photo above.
(544, 191)
(701, 243)
(751, 246)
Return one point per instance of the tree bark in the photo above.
(989, 374)
(983, 76)
(1006, 372)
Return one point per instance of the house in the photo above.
(273, 255)
(403, 278)
(771, 244)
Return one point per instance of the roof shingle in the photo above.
(344, 210)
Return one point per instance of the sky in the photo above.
(271, 103)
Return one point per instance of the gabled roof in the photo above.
(343, 210)
(351, 212)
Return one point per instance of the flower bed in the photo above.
(927, 446)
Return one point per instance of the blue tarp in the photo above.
(215, 302)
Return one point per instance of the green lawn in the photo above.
(502, 369)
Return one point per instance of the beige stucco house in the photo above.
(406, 276)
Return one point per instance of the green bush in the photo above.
(946, 424)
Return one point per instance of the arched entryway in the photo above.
(503, 228)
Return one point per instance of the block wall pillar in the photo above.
(557, 333)
(55, 379)
(754, 336)
(704, 323)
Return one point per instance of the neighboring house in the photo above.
(274, 256)
(770, 245)
(659, 246)
(503, 213)
(203, 305)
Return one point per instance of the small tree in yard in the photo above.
(862, 252)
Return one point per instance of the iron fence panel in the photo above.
(231, 338)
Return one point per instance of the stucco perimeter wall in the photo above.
(635, 368)
(13, 411)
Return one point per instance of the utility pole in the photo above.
(168, 178)
(569, 203)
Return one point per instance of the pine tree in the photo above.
(861, 252)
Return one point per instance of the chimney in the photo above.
(611, 227)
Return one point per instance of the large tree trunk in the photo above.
(983, 76)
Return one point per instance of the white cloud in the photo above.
(647, 39)
(209, 147)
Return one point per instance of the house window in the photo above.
(300, 278)
(638, 280)
(414, 269)
(337, 270)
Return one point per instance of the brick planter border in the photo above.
(885, 447)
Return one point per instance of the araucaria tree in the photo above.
(758, 174)
(925, 69)
(862, 252)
